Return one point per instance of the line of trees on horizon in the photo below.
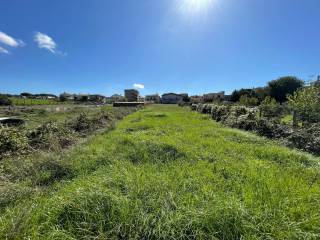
(278, 89)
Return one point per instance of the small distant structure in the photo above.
(82, 97)
(210, 97)
(67, 96)
(115, 98)
(45, 96)
(185, 97)
(97, 98)
(196, 99)
(154, 98)
(132, 95)
(171, 98)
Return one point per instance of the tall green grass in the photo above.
(168, 173)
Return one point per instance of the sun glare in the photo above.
(194, 7)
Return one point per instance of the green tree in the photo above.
(269, 108)
(237, 94)
(280, 88)
(306, 104)
(248, 101)
(261, 93)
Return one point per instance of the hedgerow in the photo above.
(306, 138)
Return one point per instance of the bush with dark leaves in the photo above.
(218, 113)
(272, 129)
(5, 101)
(307, 139)
(239, 110)
(194, 107)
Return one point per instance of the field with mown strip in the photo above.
(168, 173)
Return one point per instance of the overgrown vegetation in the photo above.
(32, 102)
(54, 135)
(31, 158)
(168, 173)
(266, 121)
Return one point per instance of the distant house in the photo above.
(97, 98)
(196, 99)
(82, 97)
(117, 98)
(210, 97)
(171, 98)
(45, 96)
(132, 95)
(185, 97)
(67, 96)
(154, 98)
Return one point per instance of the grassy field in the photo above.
(168, 173)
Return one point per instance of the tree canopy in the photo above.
(280, 88)
(306, 103)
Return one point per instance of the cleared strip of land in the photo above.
(168, 173)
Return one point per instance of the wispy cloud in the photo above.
(46, 42)
(138, 86)
(10, 41)
(3, 50)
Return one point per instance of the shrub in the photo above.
(247, 121)
(204, 108)
(194, 107)
(82, 123)
(218, 113)
(5, 101)
(306, 104)
(239, 110)
(13, 141)
(307, 139)
(270, 108)
(51, 136)
(248, 101)
(272, 129)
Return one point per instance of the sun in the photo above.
(194, 7)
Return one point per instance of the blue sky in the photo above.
(194, 46)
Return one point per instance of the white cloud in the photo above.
(10, 41)
(3, 50)
(46, 42)
(138, 86)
